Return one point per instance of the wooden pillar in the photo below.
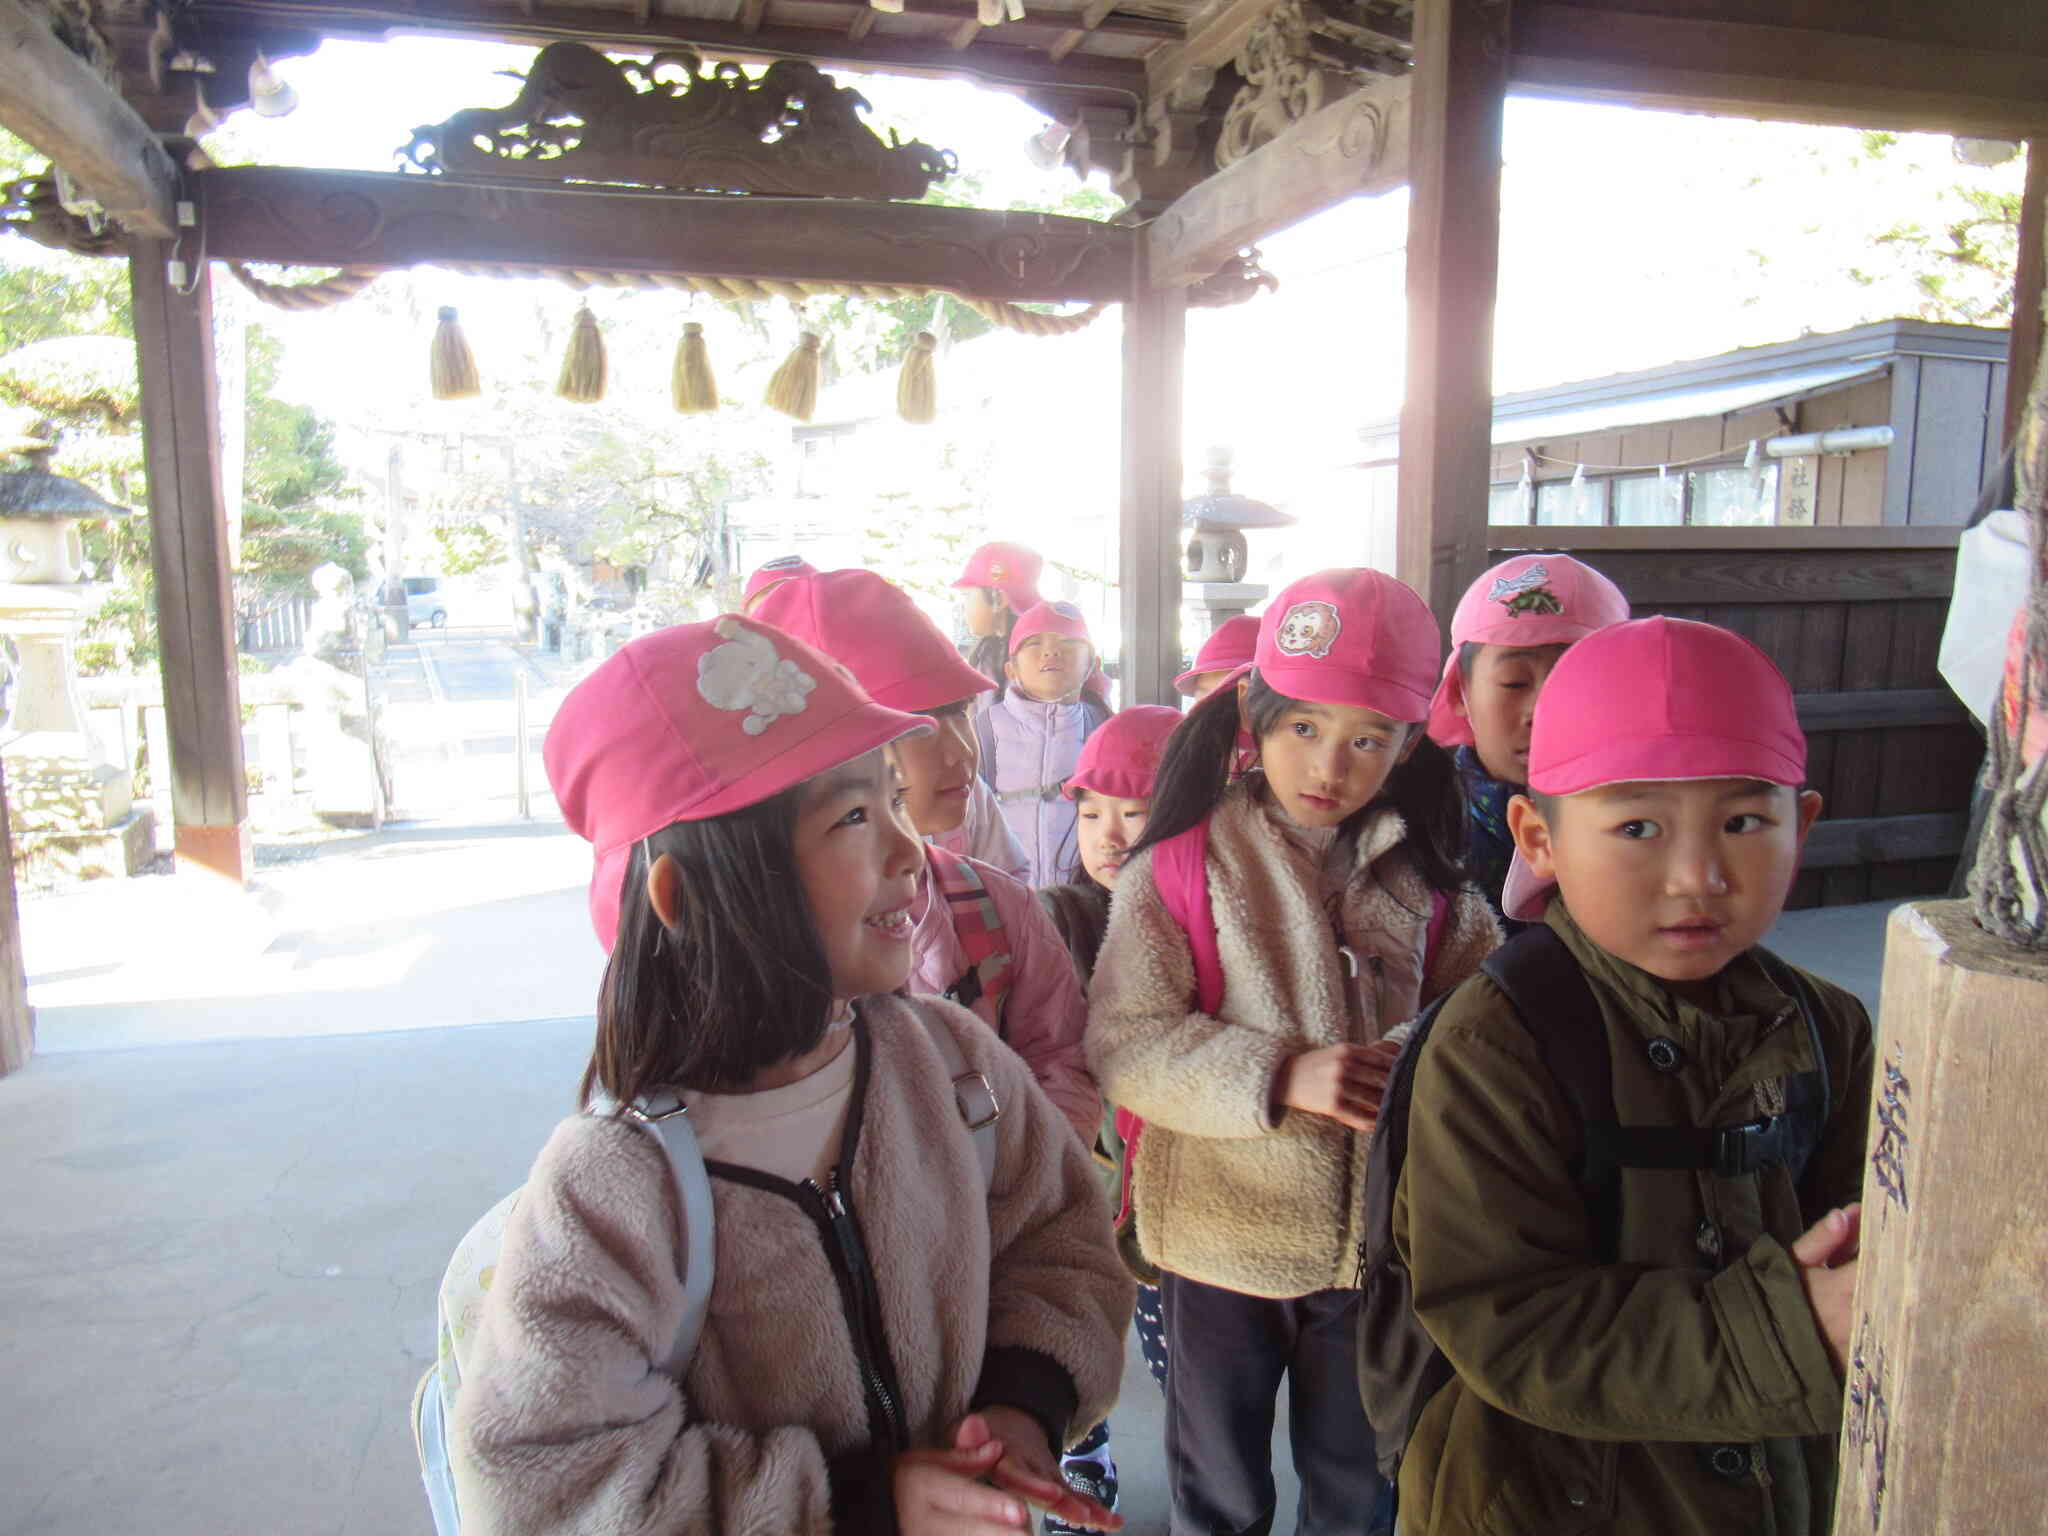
(1454, 156)
(188, 549)
(1148, 548)
(2029, 289)
(1949, 1346)
(17, 1019)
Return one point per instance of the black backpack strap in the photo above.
(1554, 1001)
(1809, 1096)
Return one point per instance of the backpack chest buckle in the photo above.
(1742, 1149)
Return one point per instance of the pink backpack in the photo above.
(1180, 872)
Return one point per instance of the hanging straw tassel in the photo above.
(794, 389)
(695, 390)
(451, 366)
(917, 389)
(582, 377)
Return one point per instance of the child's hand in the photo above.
(1342, 1082)
(941, 1493)
(1028, 1468)
(1826, 1255)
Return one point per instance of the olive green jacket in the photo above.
(1683, 1389)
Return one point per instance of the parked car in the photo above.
(424, 603)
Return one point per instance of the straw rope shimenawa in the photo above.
(341, 286)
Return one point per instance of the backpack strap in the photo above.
(972, 1092)
(1180, 872)
(666, 1117)
(985, 739)
(978, 924)
(1554, 1001)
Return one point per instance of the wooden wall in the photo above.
(1945, 412)
(1854, 620)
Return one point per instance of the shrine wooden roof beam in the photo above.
(875, 47)
(380, 219)
(52, 99)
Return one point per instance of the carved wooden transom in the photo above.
(676, 122)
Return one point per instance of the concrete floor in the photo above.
(228, 1208)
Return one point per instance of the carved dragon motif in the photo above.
(675, 122)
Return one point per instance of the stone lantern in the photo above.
(1216, 556)
(69, 808)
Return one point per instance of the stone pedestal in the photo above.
(71, 812)
(1218, 602)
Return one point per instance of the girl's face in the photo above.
(983, 611)
(858, 862)
(936, 772)
(1105, 829)
(1051, 667)
(1324, 761)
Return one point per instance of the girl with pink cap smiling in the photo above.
(897, 1338)
(1269, 938)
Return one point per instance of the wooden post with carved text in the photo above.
(188, 551)
(1454, 156)
(1148, 545)
(1948, 1351)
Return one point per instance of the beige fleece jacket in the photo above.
(1225, 1192)
(567, 1420)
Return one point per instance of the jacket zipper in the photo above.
(849, 1258)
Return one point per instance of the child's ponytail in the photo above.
(1426, 791)
(1194, 770)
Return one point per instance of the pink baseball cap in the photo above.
(1528, 600)
(1659, 700)
(1121, 759)
(1350, 636)
(781, 568)
(694, 721)
(872, 627)
(1230, 647)
(1062, 619)
(1010, 568)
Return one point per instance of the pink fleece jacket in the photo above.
(1045, 1014)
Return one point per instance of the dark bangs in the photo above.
(738, 984)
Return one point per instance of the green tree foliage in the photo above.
(1960, 261)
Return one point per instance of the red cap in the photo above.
(1062, 619)
(781, 568)
(1010, 568)
(694, 721)
(1121, 760)
(1528, 600)
(1657, 700)
(1354, 637)
(1230, 647)
(872, 627)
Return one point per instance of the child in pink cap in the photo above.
(1031, 736)
(1510, 628)
(1001, 582)
(1229, 648)
(977, 937)
(1646, 1299)
(1269, 939)
(1112, 787)
(766, 575)
(893, 1339)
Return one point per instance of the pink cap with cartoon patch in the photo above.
(1062, 619)
(1526, 600)
(1353, 637)
(692, 722)
(1656, 700)
(1011, 569)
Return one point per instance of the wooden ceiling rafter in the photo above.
(995, 59)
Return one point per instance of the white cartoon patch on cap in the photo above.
(1527, 593)
(748, 673)
(1309, 629)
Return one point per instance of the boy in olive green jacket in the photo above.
(1670, 1364)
